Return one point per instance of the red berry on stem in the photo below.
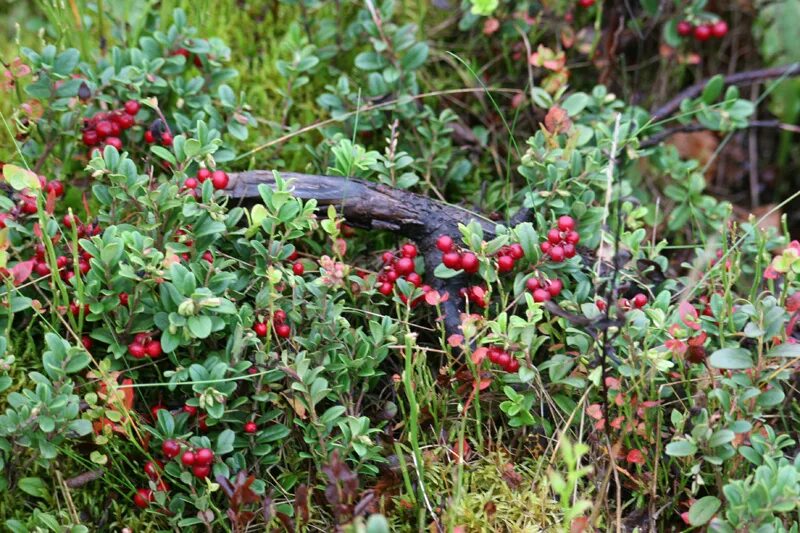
(557, 254)
(719, 29)
(283, 331)
(87, 342)
(56, 187)
(152, 470)
(153, 349)
(90, 138)
(136, 350)
(149, 138)
(190, 183)
(503, 359)
(469, 263)
(188, 458)
(516, 251)
(386, 288)
(203, 174)
(684, 28)
(554, 287)
(532, 284)
(191, 410)
(505, 263)
(566, 223)
(554, 236)
(132, 107)
(572, 237)
(42, 269)
(639, 301)
(201, 471)
(261, 329)
(170, 448)
(143, 498)
(250, 427)
(541, 295)
(204, 456)
(414, 278)
(444, 243)
(219, 179)
(404, 266)
(29, 207)
(409, 250)
(298, 268)
(512, 365)
(569, 251)
(103, 129)
(702, 32)
(452, 260)
(166, 138)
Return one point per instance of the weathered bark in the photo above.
(374, 206)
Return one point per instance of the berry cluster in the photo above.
(282, 329)
(544, 289)
(503, 359)
(219, 179)
(199, 460)
(396, 267)
(561, 240)
(703, 32)
(105, 128)
(507, 256)
(144, 345)
(456, 259)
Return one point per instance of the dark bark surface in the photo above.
(379, 207)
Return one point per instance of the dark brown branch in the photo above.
(661, 136)
(738, 78)
(374, 206)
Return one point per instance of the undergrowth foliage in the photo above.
(626, 347)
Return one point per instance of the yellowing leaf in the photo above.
(20, 178)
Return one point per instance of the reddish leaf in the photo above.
(22, 271)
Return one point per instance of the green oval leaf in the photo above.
(731, 359)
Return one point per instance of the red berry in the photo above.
(569, 251)
(152, 470)
(61, 261)
(572, 237)
(532, 284)
(719, 29)
(387, 257)
(639, 301)
(452, 260)
(409, 250)
(444, 243)
(601, 304)
(132, 107)
(136, 350)
(170, 448)
(554, 236)
(29, 207)
(493, 354)
(392, 275)
(84, 267)
(415, 279)
(56, 187)
(166, 138)
(386, 288)
(250, 427)
(191, 410)
(141, 338)
(261, 329)
(143, 498)
(42, 269)
(201, 471)
(554, 287)
(203, 174)
(116, 142)
(90, 137)
(298, 268)
(566, 223)
(505, 263)
(188, 458)
(512, 366)
(545, 247)
(404, 266)
(153, 349)
(516, 251)
(190, 183)
(279, 316)
(208, 257)
(103, 129)
(469, 263)
(586, 3)
(219, 179)
(541, 295)
(87, 342)
(684, 28)
(503, 359)
(115, 129)
(702, 32)
(149, 138)
(283, 331)
(204, 456)
(557, 254)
